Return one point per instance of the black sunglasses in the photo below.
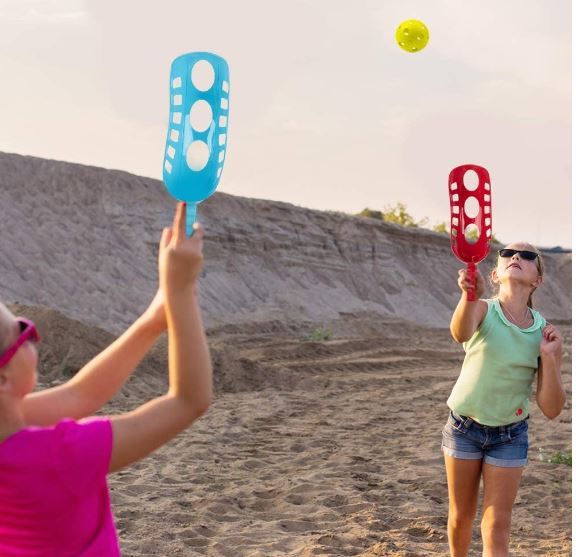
(524, 254)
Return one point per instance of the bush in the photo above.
(319, 335)
(559, 457)
(441, 227)
(399, 215)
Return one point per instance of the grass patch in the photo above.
(559, 457)
(319, 335)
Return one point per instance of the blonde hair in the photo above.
(6, 327)
(539, 268)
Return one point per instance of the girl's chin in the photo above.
(516, 280)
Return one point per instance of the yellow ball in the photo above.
(412, 35)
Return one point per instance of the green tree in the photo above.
(472, 235)
(371, 214)
(441, 227)
(397, 215)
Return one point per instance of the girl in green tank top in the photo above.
(507, 344)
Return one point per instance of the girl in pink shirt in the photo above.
(54, 498)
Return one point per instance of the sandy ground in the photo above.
(327, 449)
(310, 448)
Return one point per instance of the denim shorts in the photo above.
(505, 446)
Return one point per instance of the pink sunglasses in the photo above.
(28, 331)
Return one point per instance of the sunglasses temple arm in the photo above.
(471, 294)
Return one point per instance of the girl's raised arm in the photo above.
(189, 395)
(468, 315)
(101, 378)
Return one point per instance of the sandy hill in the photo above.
(84, 240)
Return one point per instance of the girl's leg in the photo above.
(463, 482)
(500, 489)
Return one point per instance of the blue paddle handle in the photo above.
(190, 218)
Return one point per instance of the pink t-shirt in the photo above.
(54, 497)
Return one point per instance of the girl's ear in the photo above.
(494, 277)
(538, 281)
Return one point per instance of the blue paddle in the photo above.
(197, 129)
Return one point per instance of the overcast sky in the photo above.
(326, 111)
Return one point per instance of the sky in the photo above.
(326, 111)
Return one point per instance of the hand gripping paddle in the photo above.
(470, 217)
(197, 129)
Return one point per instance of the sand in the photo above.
(314, 449)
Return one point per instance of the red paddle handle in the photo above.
(471, 294)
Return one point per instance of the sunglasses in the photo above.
(28, 331)
(524, 254)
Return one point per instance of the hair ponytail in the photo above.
(540, 268)
(5, 327)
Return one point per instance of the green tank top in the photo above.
(495, 382)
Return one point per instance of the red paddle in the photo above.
(470, 217)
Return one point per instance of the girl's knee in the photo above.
(496, 525)
(461, 518)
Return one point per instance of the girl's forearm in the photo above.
(101, 378)
(551, 396)
(462, 325)
(97, 382)
(190, 366)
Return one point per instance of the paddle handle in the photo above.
(190, 218)
(471, 294)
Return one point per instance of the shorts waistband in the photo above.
(468, 421)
